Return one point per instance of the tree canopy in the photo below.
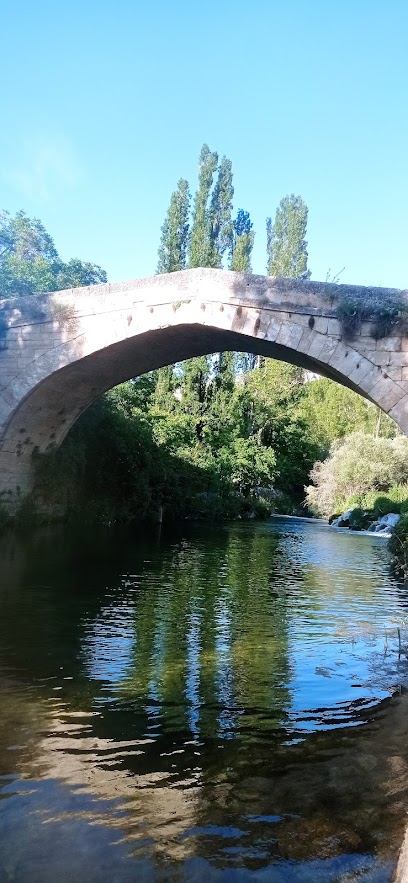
(30, 263)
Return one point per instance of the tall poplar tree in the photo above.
(242, 243)
(286, 239)
(172, 257)
(221, 226)
(201, 244)
(175, 231)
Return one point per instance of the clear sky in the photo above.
(105, 105)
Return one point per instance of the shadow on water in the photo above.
(201, 703)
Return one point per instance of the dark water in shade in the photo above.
(221, 703)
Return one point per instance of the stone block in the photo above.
(361, 370)
(386, 393)
(396, 374)
(329, 346)
(369, 380)
(306, 340)
(321, 324)
(390, 398)
(316, 345)
(399, 413)
(379, 358)
(399, 360)
(344, 359)
(300, 319)
(289, 335)
(274, 328)
(389, 344)
(334, 327)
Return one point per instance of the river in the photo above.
(201, 703)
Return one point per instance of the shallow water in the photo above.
(220, 703)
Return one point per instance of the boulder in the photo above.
(343, 520)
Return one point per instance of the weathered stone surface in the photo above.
(64, 349)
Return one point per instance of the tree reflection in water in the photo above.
(210, 695)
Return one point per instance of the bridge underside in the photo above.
(45, 416)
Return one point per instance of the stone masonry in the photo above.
(60, 351)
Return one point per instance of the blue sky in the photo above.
(105, 105)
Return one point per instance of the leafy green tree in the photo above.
(175, 231)
(335, 411)
(164, 394)
(29, 261)
(172, 257)
(76, 273)
(221, 226)
(201, 240)
(286, 239)
(242, 243)
(357, 465)
(25, 237)
(270, 398)
(195, 377)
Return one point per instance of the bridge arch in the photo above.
(59, 352)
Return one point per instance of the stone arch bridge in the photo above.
(60, 351)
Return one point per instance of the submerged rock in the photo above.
(342, 520)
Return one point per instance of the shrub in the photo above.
(398, 545)
(360, 519)
(358, 466)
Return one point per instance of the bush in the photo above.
(357, 467)
(360, 519)
(398, 545)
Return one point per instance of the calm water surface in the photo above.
(220, 703)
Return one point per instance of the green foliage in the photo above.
(357, 465)
(360, 519)
(395, 500)
(201, 243)
(398, 545)
(29, 261)
(335, 411)
(242, 243)
(221, 227)
(175, 231)
(286, 239)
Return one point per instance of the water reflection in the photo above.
(216, 702)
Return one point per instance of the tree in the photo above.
(201, 242)
(221, 227)
(335, 412)
(30, 263)
(172, 257)
(175, 231)
(164, 398)
(25, 237)
(358, 465)
(76, 273)
(286, 239)
(242, 243)
(194, 387)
